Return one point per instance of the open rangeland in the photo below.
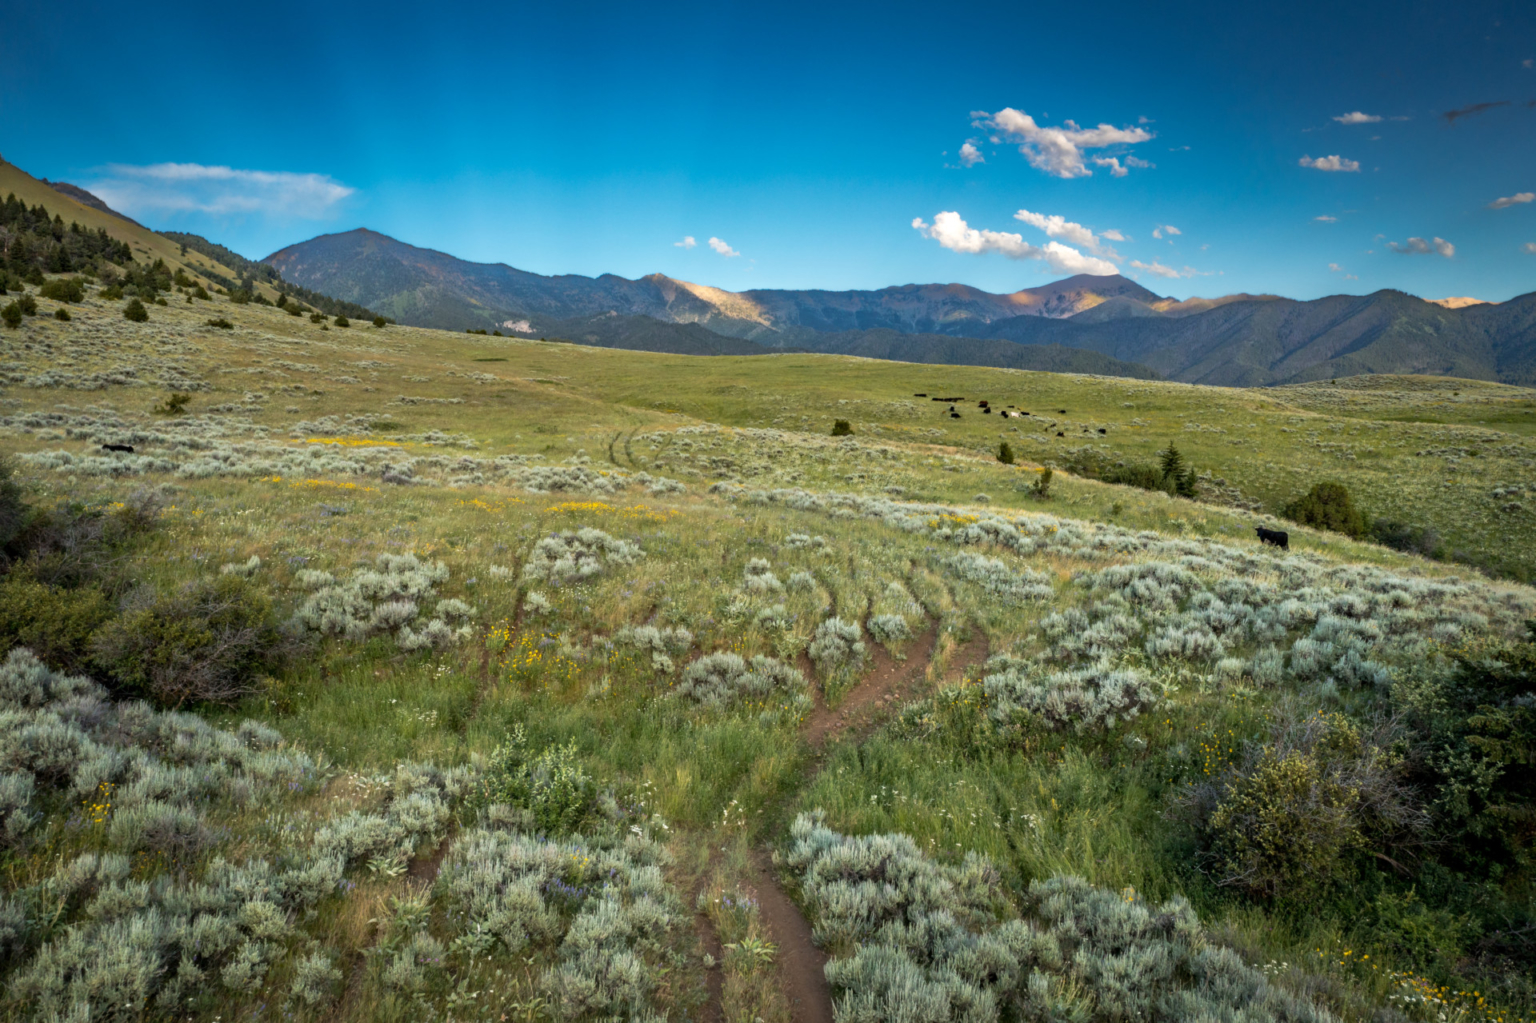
(494, 679)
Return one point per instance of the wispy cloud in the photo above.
(970, 156)
(1162, 229)
(688, 242)
(1114, 236)
(1155, 267)
(1326, 218)
(725, 250)
(1420, 247)
(1059, 151)
(195, 187)
(1512, 200)
(1356, 117)
(953, 233)
(1329, 163)
(1529, 247)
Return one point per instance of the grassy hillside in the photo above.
(491, 679)
(147, 245)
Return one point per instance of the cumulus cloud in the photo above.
(1420, 247)
(1155, 267)
(953, 233)
(1327, 218)
(970, 156)
(1058, 151)
(722, 248)
(1512, 200)
(1356, 117)
(1329, 163)
(197, 188)
(1114, 236)
(1161, 229)
(688, 242)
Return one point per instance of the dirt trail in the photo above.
(802, 965)
(887, 681)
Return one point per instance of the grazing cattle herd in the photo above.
(1273, 537)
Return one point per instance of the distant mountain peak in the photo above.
(1457, 303)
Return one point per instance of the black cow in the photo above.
(923, 395)
(954, 415)
(1274, 537)
(1060, 434)
(1061, 412)
(987, 409)
(1102, 430)
(118, 447)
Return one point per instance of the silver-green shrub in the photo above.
(837, 643)
(384, 600)
(917, 941)
(723, 680)
(1084, 699)
(575, 557)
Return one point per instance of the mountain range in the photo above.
(1119, 326)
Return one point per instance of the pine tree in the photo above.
(1005, 453)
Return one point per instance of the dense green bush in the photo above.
(135, 311)
(379, 321)
(64, 289)
(1286, 820)
(207, 642)
(1403, 537)
(1005, 453)
(54, 622)
(11, 315)
(1327, 506)
(62, 314)
(342, 321)
(842, 428)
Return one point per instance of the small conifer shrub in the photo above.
(842, 428)
(11, 315)
(135, 312)
(379, 321)
(1005, 453)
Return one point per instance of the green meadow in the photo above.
(401, 674)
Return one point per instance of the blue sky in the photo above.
(808, 139)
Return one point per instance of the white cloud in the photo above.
(1512, 200)
(1529, 247)
(1056, 226)
(1058, 151)
(688, 242)
(1356, 117)
(1155, 267)
(1113, 235)
(970, 156)
(1326, 218)
(1329, 163)
(1113, 163)
(1420, 247)
(1159, 230)
(953, 233)
(196, 188)
(1335, 267)
(722, 248)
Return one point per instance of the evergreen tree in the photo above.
(135, 311)
(1005, 453)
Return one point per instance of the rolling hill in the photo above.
(1234, 340)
